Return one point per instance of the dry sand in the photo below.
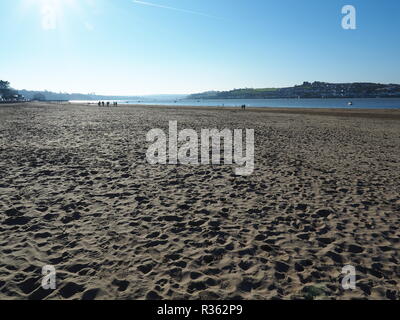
(76, 192)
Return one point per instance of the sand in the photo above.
(76, 193)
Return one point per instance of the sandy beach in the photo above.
(77, 193)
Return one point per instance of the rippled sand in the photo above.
(76, 192)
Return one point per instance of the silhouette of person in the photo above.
(102, 103)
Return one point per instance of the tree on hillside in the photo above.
(5, 91)
(4, 85)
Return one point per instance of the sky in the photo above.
(126, 47)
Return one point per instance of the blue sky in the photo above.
(186, 46)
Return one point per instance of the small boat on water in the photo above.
(350, 103)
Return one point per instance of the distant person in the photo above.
(102, 103)
(99, 104)
(108, 103)
(244, 107)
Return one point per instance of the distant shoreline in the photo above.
(308, 90)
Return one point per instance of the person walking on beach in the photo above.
(99, 104)
(243, 107)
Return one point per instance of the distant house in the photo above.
(14, 98)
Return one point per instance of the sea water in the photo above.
(374, 103)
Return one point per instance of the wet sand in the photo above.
(76, 192)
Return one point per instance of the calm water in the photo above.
(273, 103)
